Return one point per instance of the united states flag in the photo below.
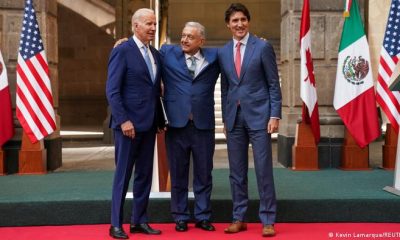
(388, 100)
(34, 98)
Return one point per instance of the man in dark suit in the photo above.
(251, 108)
(133, 89)
(189, 75)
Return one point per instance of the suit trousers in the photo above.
(238, 143)
(129, 152)
(181, 143)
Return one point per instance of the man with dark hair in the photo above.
(251, 109)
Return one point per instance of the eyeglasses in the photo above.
(188, 36)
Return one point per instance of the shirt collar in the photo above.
(197, 55)
(243, 40)
(138, 42)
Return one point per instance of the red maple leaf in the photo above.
(310, 68)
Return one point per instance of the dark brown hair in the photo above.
(236, 7)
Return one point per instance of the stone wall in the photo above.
(265, 18)
(83, 56)
(377, 17)
(326, 29)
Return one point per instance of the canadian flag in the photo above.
(6, 120)
(308, 90)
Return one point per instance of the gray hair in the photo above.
(139, 14)
(198, 26)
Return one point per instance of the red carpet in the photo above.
(297, 231)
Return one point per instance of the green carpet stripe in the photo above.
(317, 196)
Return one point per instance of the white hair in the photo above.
(136, 17)
(198, 26)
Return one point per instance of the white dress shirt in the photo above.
(243, 45)
(201, 62)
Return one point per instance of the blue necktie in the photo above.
(148, 62)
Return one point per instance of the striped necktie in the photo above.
(192, 67)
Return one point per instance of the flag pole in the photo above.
(389, 148)
(395, 189)
(396, 185)
(34, 98)
(305, 149)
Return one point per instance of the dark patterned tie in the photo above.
(192, 67)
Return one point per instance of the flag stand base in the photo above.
(389, 148)
(2, 163)
(353, 157)
(304, 150)
(32, 157)
(392, 190)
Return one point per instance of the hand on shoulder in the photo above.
(119, 41)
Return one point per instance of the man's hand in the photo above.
(273, 125)
(262, 38)
(119, 41)
(128, 129)
(161, 130)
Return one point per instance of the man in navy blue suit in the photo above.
(189, 75)
(133, 89)
(251, 108)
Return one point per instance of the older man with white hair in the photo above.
(133, 89)
(189, 76)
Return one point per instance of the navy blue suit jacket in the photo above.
(129, 89)
(183, 94)
(257, 88)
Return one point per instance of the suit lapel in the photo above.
(132, 43)
(207, 57)
(247, 55)
(180, 58)
(231, 61)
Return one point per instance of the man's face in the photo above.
(145, 28)
(239, 25)
(191, 40)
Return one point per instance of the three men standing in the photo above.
(251, 106)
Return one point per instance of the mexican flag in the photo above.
(354, 98)
(6, 120)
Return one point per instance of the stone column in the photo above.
(326, 29)
(378, 11)
(11, 14)
(123, 14)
